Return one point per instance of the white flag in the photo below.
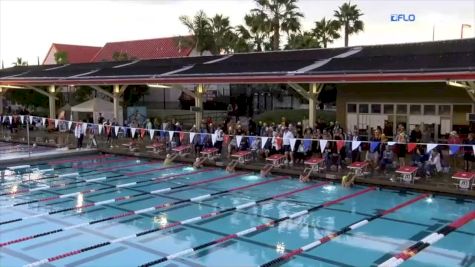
(116, 130)
(151, 132)
(22, 119)
(171, 133)
(43, 120)
(55, 123)
(323, 144)
(391, 143)
(430, 147)
(355, 145)
(31, 119)
(84, 127)
(132, 131)
(11, 119)
(213, 138)
(192, 136)
(70, 123)
(4, 118)
(264, 141)
(100, 128)
(238, 140)
(292, 143)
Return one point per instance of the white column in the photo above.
(52, 102)
(200, 90)
(116, 99)
(312, 104)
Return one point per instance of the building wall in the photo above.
(424, 93)
(50, 57)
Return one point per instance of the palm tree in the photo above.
(242, 40)
(302, 41)
(199, 27)
(120, 56)
(349, 17)
(222, 34)
(61, 57)
(256, 31)
(279, 15)
(326, 31)
(19, 62)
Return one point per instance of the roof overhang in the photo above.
(248, 79)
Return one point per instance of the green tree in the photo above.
(222, 36)
(29, 98)
(120, 56)
(200, 29)
(19, 62)
(133, 94)
(280, 16)
(302, 41)
(61, 57)
(326, 31)
(349, 17)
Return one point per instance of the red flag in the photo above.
(142, 132)
(50, 122)
(108, 130)
(411, 147)
(226, 139)
(340, 144)
(182, 137)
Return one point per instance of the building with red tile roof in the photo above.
(135, 49)
(144, 49)
(75, 53)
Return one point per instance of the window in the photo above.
(376, 108)
(388, 109)
(351, 108)
(444, 109)
(363, 108)
(415, 110)
(429, 109)
(401, 109)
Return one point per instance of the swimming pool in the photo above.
(12, 150)
(108, 210)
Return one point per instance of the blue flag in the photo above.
(162, 134)
(374, 145)
(307, 145)
(251, 140)
(454, 149)
(202, 138)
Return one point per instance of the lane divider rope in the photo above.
(153, 208)
(428, 241)
(124, 238)
(346, 229)
(103, 202)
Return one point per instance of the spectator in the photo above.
(468, 156)
(453, 139)
(401, 139)
(416, 135)
(387, 159)
(286, 141)
(433, 165)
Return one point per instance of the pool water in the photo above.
(12, 150)
(369, 245)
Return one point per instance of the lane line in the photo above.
(346, 229)
(428, 241)
(103, 202)
(260, 227)
(124, 238)
(153, 208)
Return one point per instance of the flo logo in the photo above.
(403, 17)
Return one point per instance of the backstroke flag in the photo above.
(323, 144)
(264, 141)
(355, 145)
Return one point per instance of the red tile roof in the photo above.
(76, 53)
(144, 49)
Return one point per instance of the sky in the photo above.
(29, 27)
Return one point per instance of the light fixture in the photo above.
(158, 86)
(13, 86)
(52, 89)
(456, 84)
(314, 88)
(1, 90)
(116, 89)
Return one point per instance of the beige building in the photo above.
(437, 105)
